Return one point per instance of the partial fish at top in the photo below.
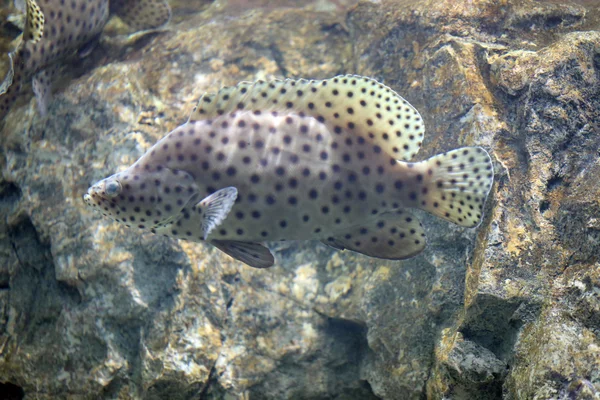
(298, 160)
(56, 30)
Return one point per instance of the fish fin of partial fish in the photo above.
(20, 5)
(214, 208)
(35, 20)
(393, 235)
(10, 87)
(42, 88)
(349, 104)
(8, 79)
(252, 254)
(142, 14)
(458, 183)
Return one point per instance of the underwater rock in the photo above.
(91, 309)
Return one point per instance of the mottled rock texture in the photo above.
(90, 309)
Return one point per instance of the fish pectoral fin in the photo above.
(252, 254)
(142, 14)
(34, 27)
(394, 235)
(214, 208)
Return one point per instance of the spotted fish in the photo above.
(56, 30)
(298, 160)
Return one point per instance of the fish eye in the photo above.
(113, 188)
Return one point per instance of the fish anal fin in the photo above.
(458, 184)
(252, 254)
(215, 208)
(34, 27)
(394, 235)
(349, 105)
(142, 14)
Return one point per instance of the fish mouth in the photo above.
(96, 194)
(92, 198)
(89, 200)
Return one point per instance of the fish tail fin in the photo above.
(456, 184)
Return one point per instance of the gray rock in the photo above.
(90, 309)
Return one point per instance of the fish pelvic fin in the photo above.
(365, 108)
(42, 87)
(252, 254)
(393, 235)
(456, 185)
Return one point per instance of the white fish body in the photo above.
(298, 160)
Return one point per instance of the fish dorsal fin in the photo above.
(214, 208)
(348, 104)
(34, 27)
(142, 14)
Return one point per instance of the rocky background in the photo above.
(93, 310)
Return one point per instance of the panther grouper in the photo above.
(298, 160)
(56, 30)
